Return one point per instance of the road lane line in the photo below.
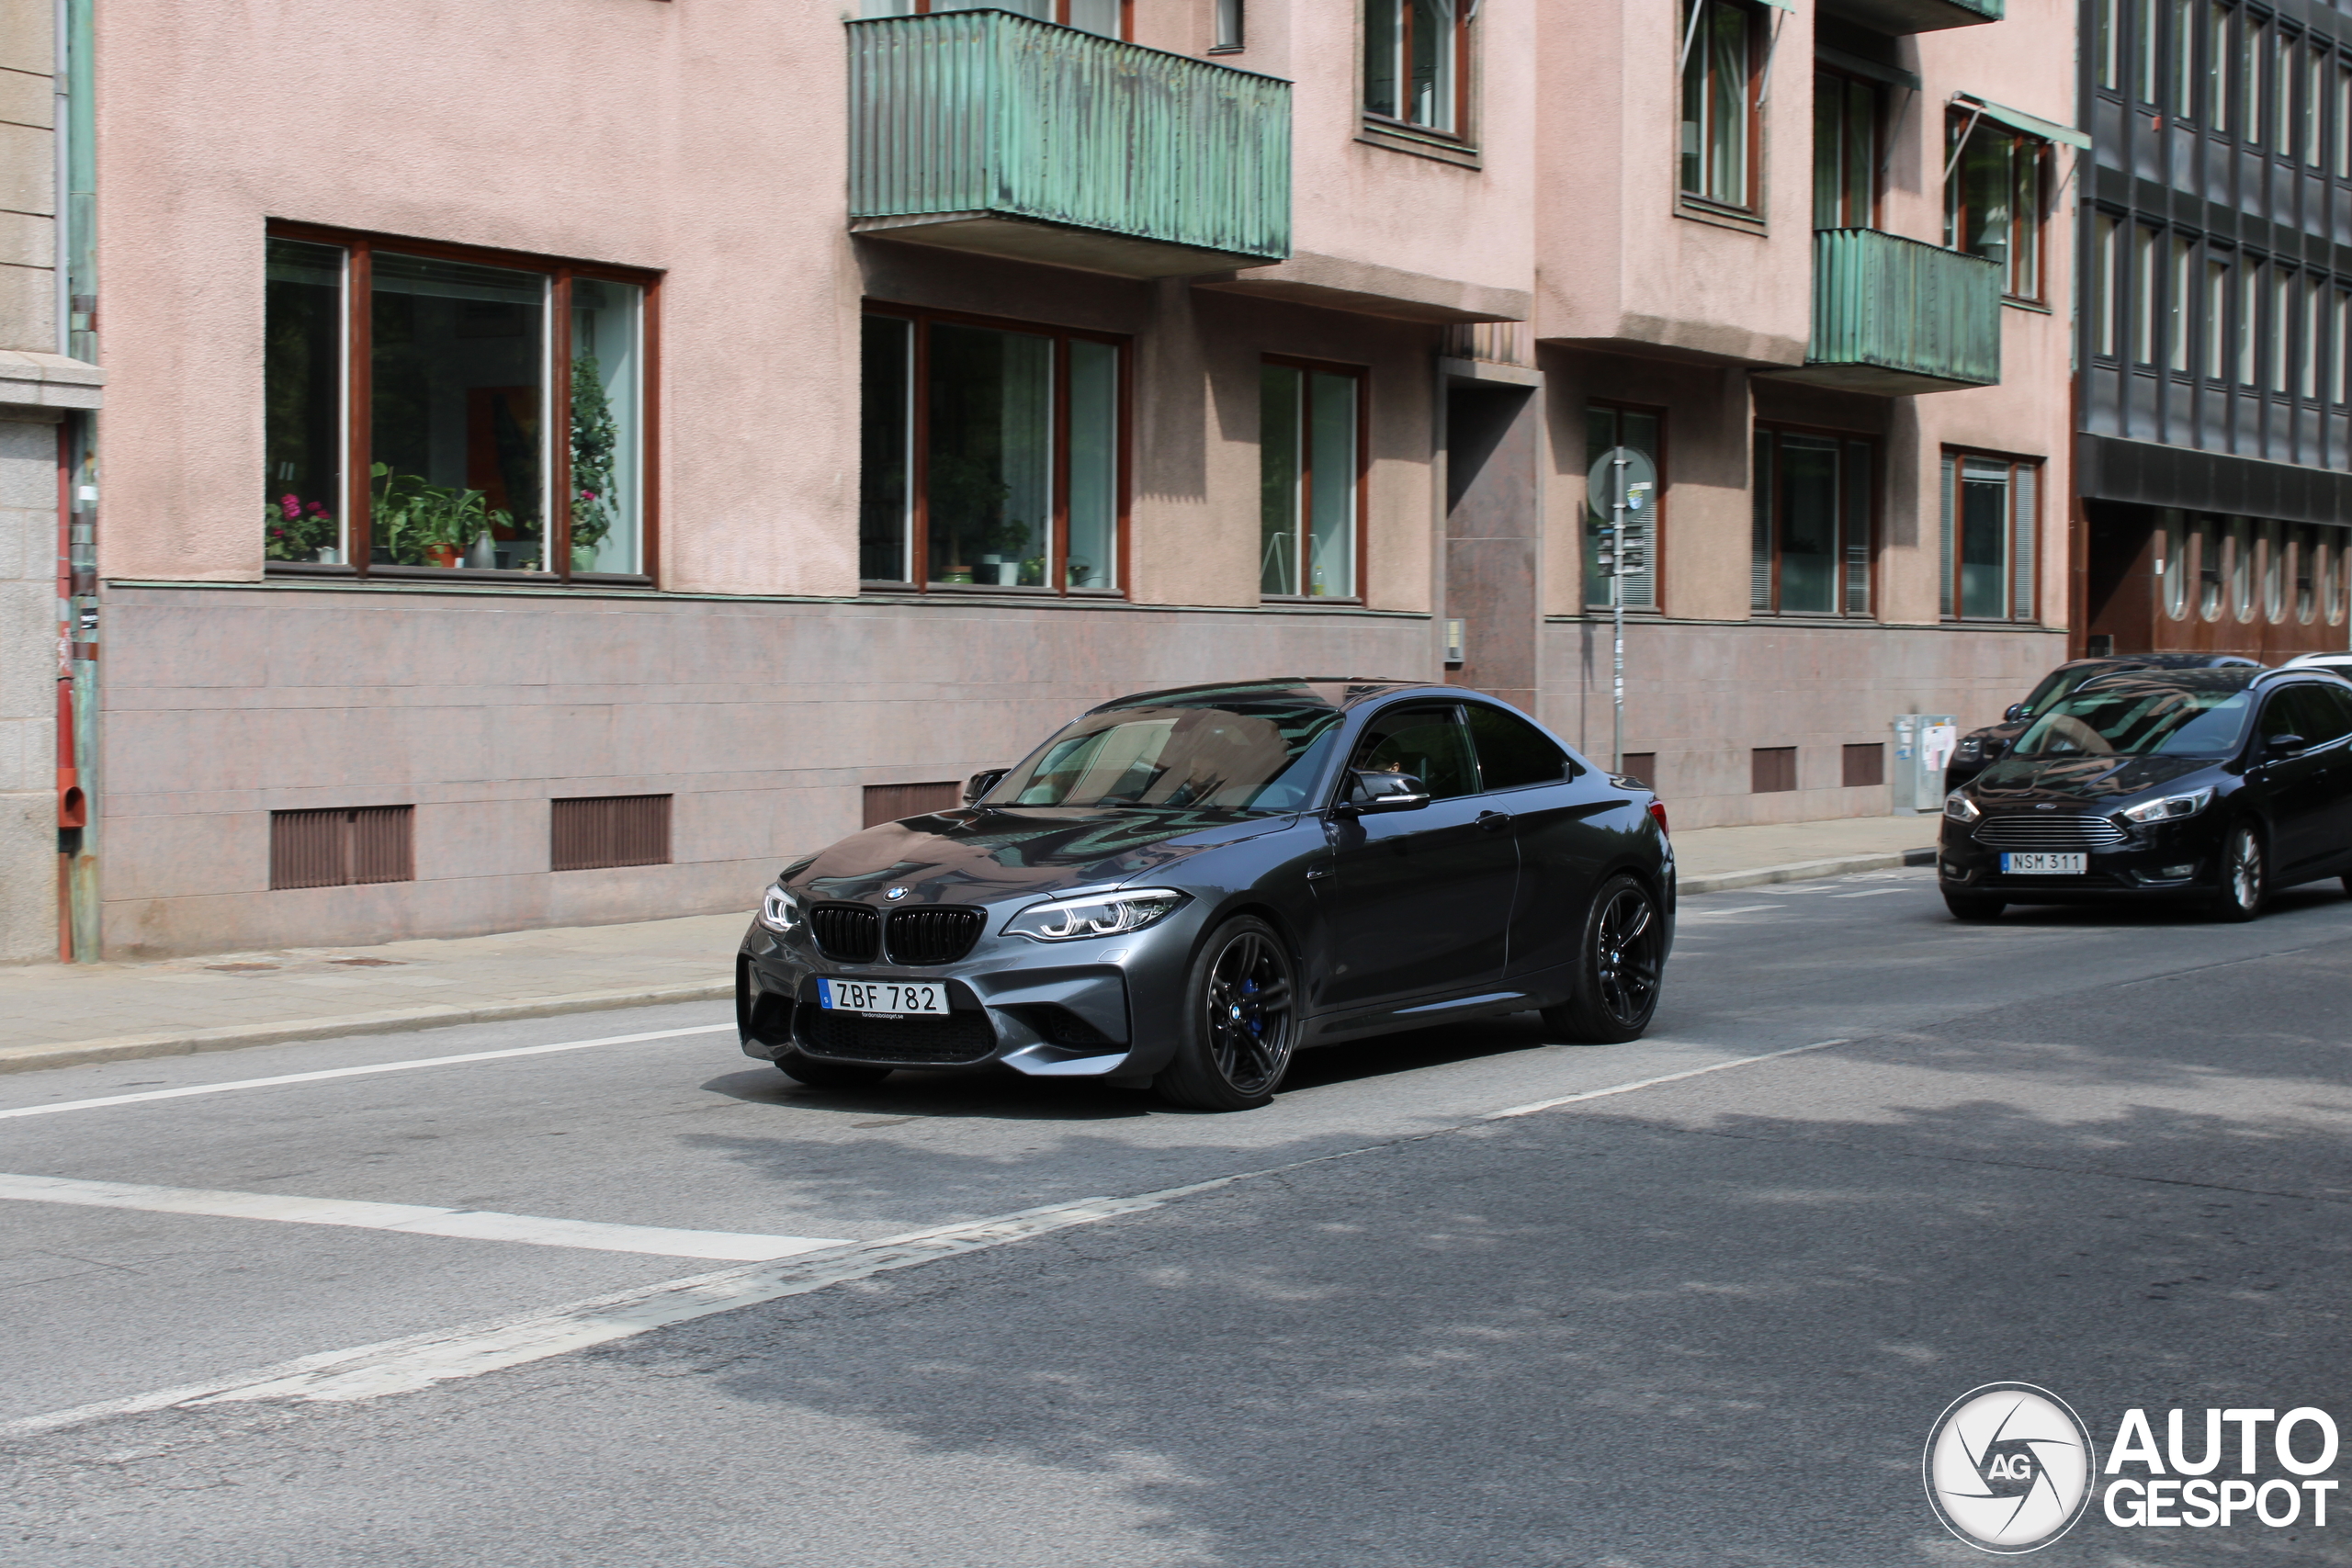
(413, 1218)
(357, 1072)
(1649, 1083)
(1874, 893)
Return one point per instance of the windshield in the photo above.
(1240, 757)
(2142, 721)
(2058, 684)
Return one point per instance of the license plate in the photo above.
(2045, 865)
(885, 996)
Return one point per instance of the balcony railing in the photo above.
(1892, 315)
(1917, 16)
(990, 131)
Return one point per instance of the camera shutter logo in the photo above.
(2009, 1468)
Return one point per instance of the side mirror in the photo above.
(1373, 794)
(2283, 744)
(979, 784)
(2015, 713)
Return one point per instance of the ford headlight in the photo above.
(1100, 914)
(1959, 808)
(779, 910)
(2171, 809)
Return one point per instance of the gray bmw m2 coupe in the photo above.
(1184, 888)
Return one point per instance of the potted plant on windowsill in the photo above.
(595, 442)
(294, 529)
(418, 524)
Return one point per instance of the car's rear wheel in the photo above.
(799, 1065)
(1972, 905)
(2245, 875)
(1620, 967)
(1239, 1024)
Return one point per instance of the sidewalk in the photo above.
(56, 1015)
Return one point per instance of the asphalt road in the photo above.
(1704, 1321)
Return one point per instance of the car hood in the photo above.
(973, 855)
(2100, 780)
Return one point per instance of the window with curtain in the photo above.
(1993, 201)
(2106, 291)
(1228, 33)
(1814, 535)
(2217, 67)
(1719, 63)
(1990, 532)
(1845, 152)
(1616, 424)
(1112, 18)
(2216, 319)
(993, 456)
(2145, 295)
(1414, 61)
(2184, 58)
(2149, 52)
(2250, 84)
(496, 423)
(2180, 304)
(2106, 47)
(1310, 478)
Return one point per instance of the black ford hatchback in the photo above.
(2218, 785)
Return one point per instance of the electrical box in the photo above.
(1923, 745)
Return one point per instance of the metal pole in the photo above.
(1617, 603)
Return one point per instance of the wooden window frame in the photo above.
(1376, 119)
(1878, 138)
(1877, 443)
(1750, 208)
(1361, 375)
(1662, 462)
(1956, 122)
(919, 459)
(359, 247)
(1957, 459)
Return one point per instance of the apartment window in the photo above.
(2250, 59)
(1416, 55)
(993, 456)
(2179, 303)
(2343, 122)
(1310, 478)
(2184, 58)
(2282, 330)
(2282, 96)
(1993, 202)
(594, 832)
(2249, 316)
(2105, 47)
(2315, 72)
(2106, 294)
(2148, 53)
(2217, 318)
(1719, 119)
(1112, 18)
(1614, 425)
(2342, 346)
(1845, 152)
(441, 453)
(2217, 67)
(342, 846)
(1228, 35)
(2314, 335)
(1813, 538)
(1989, 536)
(2144, 295)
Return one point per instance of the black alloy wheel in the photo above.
(1621, 966)
(1240, 1022)
(796, 1064)
(1972, 905)
(2246, 877)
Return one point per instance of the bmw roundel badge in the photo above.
(895, 894)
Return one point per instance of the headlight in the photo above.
(779, 910)
(1959, 808)
(1104, 914)
(2171, 809)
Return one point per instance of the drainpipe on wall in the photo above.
(77, 833)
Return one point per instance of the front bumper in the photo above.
(1100, 1007)
(2168, 861)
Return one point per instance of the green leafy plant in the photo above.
(409, 517)
(295, 529)
(596, 445)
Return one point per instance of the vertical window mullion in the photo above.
(919, 457)
(555, 419)
(359, 305)
(1058, 527)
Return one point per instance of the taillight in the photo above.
(1658, 815)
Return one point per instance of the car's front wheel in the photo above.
(1620, 967)
(799, 1065)
(2246, 877)
(1240, 1024)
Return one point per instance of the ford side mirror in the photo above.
(2015, 713)
(1371, 793)
(2283, 744)
(979, 784)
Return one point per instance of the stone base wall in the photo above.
(27, 690)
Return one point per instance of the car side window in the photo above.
(1428, 742)
(2318, 707)
(1512, 751)
(2289, 713)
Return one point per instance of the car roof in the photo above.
(2166, 661)
(1339, 692)
(2227, 678)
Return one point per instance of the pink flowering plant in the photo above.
(295, 529)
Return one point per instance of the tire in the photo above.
(1972, 905)
(802, 1067)
(1621, 965)
(1239, 1025)
(2245, 875)
(2348, 883)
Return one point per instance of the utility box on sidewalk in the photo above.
(1923, 744)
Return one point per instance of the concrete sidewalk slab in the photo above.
(61, 1015)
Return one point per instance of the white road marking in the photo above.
(357, 1072)
(1873, 893)
(414, 1219)
(421, 1360)
(1734, 909)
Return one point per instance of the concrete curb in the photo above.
(1800, 871)
(231, 1037)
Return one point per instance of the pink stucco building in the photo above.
(681, 426)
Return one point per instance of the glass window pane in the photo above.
(2106, 294)
(607, 483)
(2342, 346)
(458, 433)
(1983, 193)
(1859, 495)
(1861, 154)
(1600, 436)
(1432, 22)
(2343, 122)
(2217, 67)
(2217, 318)
(2104, 43)
(885, 460)
(1095, 16)
(988, 484)
(1281, 392)
(1383, 32)
(1828, 154)
(1764, 489)
(1331, 485)
(1983, 540)
(1726, 46)
(2282, 326)
(2184, 43)
(302, 496)
(1093, 466)
(1512, 751)
(1430, 744)
(2282, 95)
(2314, 102)
(1640, 430)
(2148, 56)
(1228, 24)
(2248, 323)
(2144, 291)
(1809, 554)
(2315, 334)
(2258, 45)
(2177, 308)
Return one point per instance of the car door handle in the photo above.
(1494, 822)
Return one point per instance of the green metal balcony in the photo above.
(988, 131)
(1916, 16)
(1895, 316)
